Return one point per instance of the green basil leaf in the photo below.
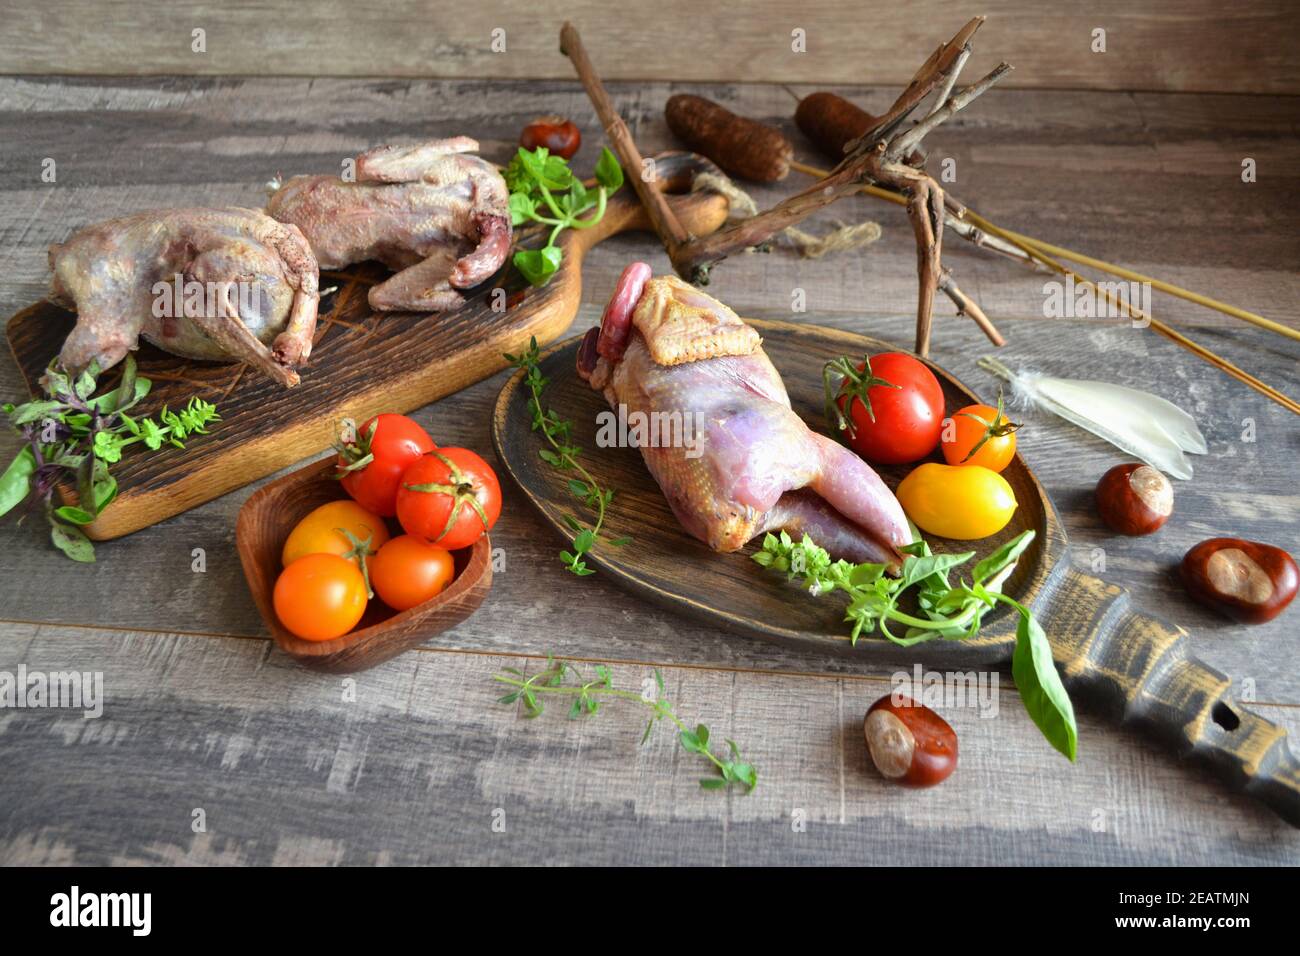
(74, 515)
(538, 265)
(918, 569)
(1040, 685)
(34, 412)
(72, 541)
(16, 481)
(1003, 557)
(105, 492)
(522, 209)
(556, 174)
(608, 172)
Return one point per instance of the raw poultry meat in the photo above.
(432, 212)
(664, 346)
(255, 302)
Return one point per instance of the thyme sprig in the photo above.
(563, 455)
(587, 694)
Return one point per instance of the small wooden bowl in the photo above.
(265, 521)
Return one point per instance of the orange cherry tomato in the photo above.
(408, 571)
(319, 532)
(979, 435)
(320, 597)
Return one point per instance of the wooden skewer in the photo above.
(1037, 251)
(1014, 243)
(1167, 287)
(1172, 334)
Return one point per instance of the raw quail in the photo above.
(248, 289)
(432, 212)
(663, 346)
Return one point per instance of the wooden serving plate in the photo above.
(264, 523)
(1135, 667)
(363, 363)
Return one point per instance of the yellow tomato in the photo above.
(962, 502)
(319, 532)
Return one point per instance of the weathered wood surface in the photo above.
(202, 711)
(415, 762)
(1150, 181)
(1183, 45)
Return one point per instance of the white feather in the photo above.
(1144, 425)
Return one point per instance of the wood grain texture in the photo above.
(414, 761)
(1149, 180)
(363, 363)
(263, 525)
(663, 564)
(1172, 45)
(1139, 666)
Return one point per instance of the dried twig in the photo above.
(881, 156)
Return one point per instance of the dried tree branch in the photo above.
(875, 157)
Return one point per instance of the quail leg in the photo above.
(423, 287)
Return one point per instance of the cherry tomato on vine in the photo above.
(408, 571)
(320, 597)
(372, 459)
(979, 435)
(326, 530)
(964, 502)
(449, 497)
(889, 408)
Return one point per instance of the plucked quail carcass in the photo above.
(255, 299)
(664, 346)
(432, 212)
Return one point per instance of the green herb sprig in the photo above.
(563, 454)
(587, 694)
(74, 433)
(950, 612)
(543, 189)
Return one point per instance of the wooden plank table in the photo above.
(415, 762)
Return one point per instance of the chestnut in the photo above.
(1245, 580)
(1134, 499)
(559, 135)
(908, 742)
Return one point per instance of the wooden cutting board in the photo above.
(1130, 665)
(362, 363)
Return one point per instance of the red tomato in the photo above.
(449, 497)
(906, 409)
(320, 597)
(408, 571)
(373, 460)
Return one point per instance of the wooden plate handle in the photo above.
(1139, 669)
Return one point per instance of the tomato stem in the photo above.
(854, 384)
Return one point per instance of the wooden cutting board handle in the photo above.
(1140, 670)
